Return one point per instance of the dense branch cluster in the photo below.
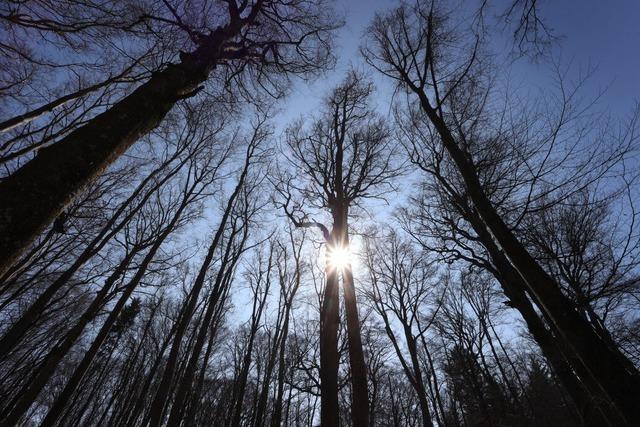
(166, 251)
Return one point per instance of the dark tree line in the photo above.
(168, 258)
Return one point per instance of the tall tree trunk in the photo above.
(28, 395)
(196, 392)
(593, 411)
(222, 280)
(360, 401)
(14, 334)
(436, 388)
(276, 418)
(509, 386)
(256, 316)
(263, 395)
(619, 384)
(59, 404)
(569, 370)
(133, 412)
(92, 400)
(9, 277)
(329, 360)
(417, 380)
(279, 347)
(514, 369)
(162, 393)
(413, 372)
(129, 379)
(36, 193)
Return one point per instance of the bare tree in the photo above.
(193, 137)
(408, 46)
(195, 188)
(162, 394)
(146, 229)
(402, 290)
(347, 156)
(265, 37)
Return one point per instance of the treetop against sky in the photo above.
(317, 212)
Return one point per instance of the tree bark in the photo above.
(329, 360)
(340, 238)
(14, 334)
(619, 384)
(27, 396)
(35, 194)
(360, 402)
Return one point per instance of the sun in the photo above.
(339, 257)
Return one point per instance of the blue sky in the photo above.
(592, 34)
(604, 34)
(607, 35)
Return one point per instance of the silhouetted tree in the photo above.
(407, 46)
(347, 156)
(261, 39)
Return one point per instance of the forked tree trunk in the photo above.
(340, 239)
(329, 337)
